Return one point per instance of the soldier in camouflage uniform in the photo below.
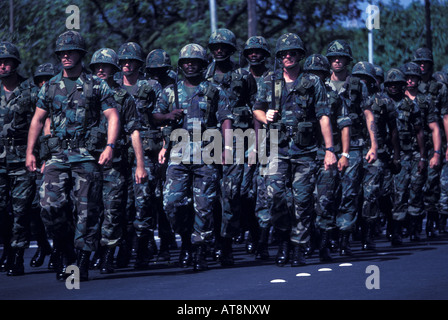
(294, 103)
(74, 101)
(240, 87)
(355, 94)
(158, 67)
(18, 98)
(407, 182)
(189, 180)
(104, 64)
(327, 181)
(43, 73)
(438, 94)
(145, 93)
(373, 172)
(432, 138)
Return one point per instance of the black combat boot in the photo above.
(83, 265)
(298, 255)
(97, 259)
(324, 246)
(6, 258)
(143, 254)
(344, 246)
(262, 251)
(282, 257)
(43, 250)
(368, 235)
(199, 258)
(397, 230)
(17, 268)
(431, 219)
(64, 256)
(185, 256)
(226, 258)
(414, 222)
(164, 252)
(107, 265)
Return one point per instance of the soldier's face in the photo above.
(103, 70)
(412, 81)
(191, 66)
(338, 64)
(290, 58)
(7, 65)
(69, 58)
(394, 88)
(221, 51)
(130, 66)
(425, 66)
(255, 55)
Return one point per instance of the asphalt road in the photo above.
(414, 271)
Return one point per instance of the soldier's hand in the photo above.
(162, 156)
(371, 156)
(140, 175)
(176, 114)
(329, 160)
(343, 164)
(30, 162)
(270, 115)
(421, 166)
(106, 156)
(435, 161)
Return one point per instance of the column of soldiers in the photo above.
(87, 158)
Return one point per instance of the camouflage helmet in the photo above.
(158, 58)
(289, 41)
(379, 72)
(105, 55)
(364, 68)
(317, 62)
(394, 75)
(222, 36)
(131, 51)
(193, 51)
(45, 69)
(257, 42)
(339, 48)
(441, 77)
(70, 40)
(411, 69)
(445, 69)
(422, 54)
(9, 50)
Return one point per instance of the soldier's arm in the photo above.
(437, 144)
(345, 141)
(140, 172)
(36, 126)
(113, 129)
(327, 134)
(371, 128)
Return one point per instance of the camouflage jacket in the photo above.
(240, 88)
(15, 118)
(300, 108)
(75, 116)
(207, 106)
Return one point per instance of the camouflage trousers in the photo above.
(114, 203)
(372, 184)
(443, 201)
(17, 191)
(327, 182)
(262, 206)
(67, 188)
(236, 193)
(350, 188)
(189, 198)
(145, 198)
(408, 186)
(297, 175)
(432, 189)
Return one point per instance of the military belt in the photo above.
(11, 142)
(71, 143)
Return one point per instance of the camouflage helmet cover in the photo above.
(339, 48)
(289, 41)
(131, 51)
(70, 40)
(317, 62)
(45, 69)
(223, 36)
(422, 54)
(364, 68)
(105, 55)
(193, 51)
(394, 75)
(257, 42)
(158, 58)
(379, 71)
(441, 77)
(411, 69)
(9, 50)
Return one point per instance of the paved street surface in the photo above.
(412, 271)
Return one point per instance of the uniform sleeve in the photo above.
(262, 97)
(41, 98)
(163, 103)
(106, 96)
(223, 110)
(320, 98)
(444, 100)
